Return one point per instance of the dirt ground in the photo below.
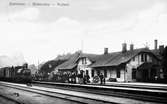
(28, 97)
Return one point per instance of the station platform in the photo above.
(154, 86)
(136, 83)
(111, 99)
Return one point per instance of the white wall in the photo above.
(122, 76)
(84, 67)
(112, 73)
(109, 73)
(88, 62)
(134, 64)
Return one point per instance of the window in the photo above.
(118, 73)
(145, 57)
(105, 73)
(142, 57)
(93, 73)
(84, 60)
(133, 73)
(87, 72)
(98, 72)
(133, 59)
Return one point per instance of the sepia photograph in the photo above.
(83, 51)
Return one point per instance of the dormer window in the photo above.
(84, 60)
(143, 57)
(133, 58)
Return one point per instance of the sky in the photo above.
(42, 29)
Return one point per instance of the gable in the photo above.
(84, 61)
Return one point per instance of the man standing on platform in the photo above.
(101, 78)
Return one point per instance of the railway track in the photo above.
(5, 100)
(152, 94)
(47, 92)
(84, 98)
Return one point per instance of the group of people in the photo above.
(75, 77)
(71, 77)
(83, 78)
(99, 79)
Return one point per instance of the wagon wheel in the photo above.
(96, 79)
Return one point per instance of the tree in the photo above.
(164, 63)
(49, 66)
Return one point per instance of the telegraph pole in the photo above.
(38, 65)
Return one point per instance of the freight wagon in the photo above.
(19, 74)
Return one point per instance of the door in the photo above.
(145, 75)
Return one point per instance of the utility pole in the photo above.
(82, 45)
(85, 32)
(38, 66)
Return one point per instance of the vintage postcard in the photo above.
(83, 51)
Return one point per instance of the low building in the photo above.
(133, 65)
(123, 66)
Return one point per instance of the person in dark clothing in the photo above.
(73, 77)
(80, 78)
(101, 78)
(84, 79)
(68, 77)
(87, 78)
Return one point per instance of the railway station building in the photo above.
(133, 65)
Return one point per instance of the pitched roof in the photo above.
(146, 65)
(110, 59)
(91, 57)
(71, 63)
(101, 60)
(116, 58)
(157, 53)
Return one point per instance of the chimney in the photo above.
(161, 49)
(131, 47)
(155, 44)
(124, 47)
(105, 50)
